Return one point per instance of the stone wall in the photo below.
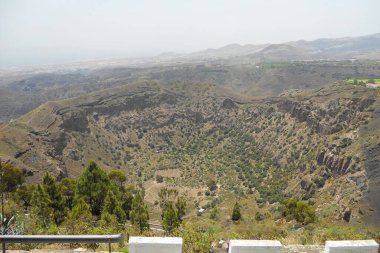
(360, 246)
(174, 245)
(155, 245)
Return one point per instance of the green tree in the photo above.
(56, 199)
(79, 218)
(41, 207)
(181, 207)
(126, 200)
(117, 177)
(112, 206)
(10, 179)
(81, 210)
(236, 215)
(23, 195)
(67, 188)
(93, 186)
(170, 219)
(139, 213)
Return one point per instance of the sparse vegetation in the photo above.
(271, 155)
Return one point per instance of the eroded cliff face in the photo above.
(330, 118)
(337, 164)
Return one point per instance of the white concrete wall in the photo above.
(360, 246)
(155, 244)
(254, 246)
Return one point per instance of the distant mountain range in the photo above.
(347, 48)
(364, 47)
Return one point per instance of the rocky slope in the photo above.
(320, 146)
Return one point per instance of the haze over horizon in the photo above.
(63, 31)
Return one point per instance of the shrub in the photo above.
(236, 215)
(159, 179)
(298, 210)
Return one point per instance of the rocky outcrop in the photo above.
(115, 104)
(228, 104)
(305, 114)
(329, 118)
(338, 165)
(21, 153)
(372, 167)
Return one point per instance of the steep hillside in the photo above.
(19, 95)
(320, 146)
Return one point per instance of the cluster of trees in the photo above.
(96, 199)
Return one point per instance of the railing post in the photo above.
(3, 246)
(109, 246)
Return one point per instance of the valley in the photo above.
(266, 127)
(297, 145)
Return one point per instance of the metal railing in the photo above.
(4, 239)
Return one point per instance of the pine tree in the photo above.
(236, 215)
(139, 213)
(181, 207)
(93, 186)
(67, 188)
(81, 211)
(170, 219)
(79, 218)
(57, 202)
(112, 206)
(127, 200)
(41, 207)
(117, 177)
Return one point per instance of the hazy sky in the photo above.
(60, 31)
